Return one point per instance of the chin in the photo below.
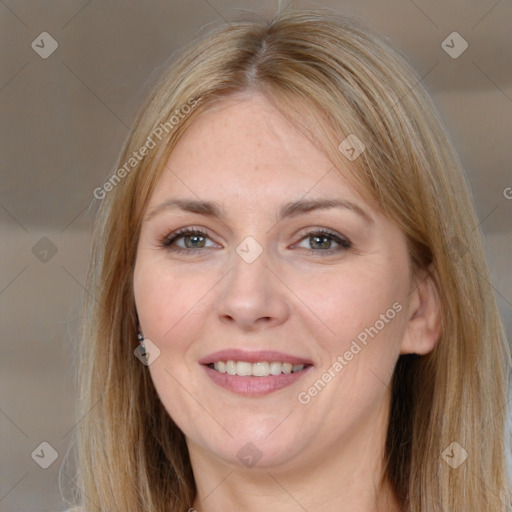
(252, 449)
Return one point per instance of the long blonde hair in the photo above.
(333, 78)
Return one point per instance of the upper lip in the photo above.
(255, 356)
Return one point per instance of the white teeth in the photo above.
(231, 367)
(259, 369)
(275, 368)
(287, 368)
(243, 368)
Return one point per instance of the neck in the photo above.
(251, 491)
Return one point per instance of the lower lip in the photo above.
(254, 386)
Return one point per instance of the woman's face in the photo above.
(272, 280)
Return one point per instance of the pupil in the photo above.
(325, 244)
(191, 239)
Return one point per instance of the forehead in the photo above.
(243, 150)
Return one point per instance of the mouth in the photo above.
(254, 373)
(258, 369)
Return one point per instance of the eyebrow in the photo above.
(288, 210)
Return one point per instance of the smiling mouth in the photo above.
(258, 369)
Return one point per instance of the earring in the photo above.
(140, 338)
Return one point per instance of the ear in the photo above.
(424, 325)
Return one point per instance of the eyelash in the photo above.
(344, 243)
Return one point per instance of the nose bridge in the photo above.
(249, 270)
(250, 293)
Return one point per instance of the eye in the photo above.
(186, 240)
(322, 240)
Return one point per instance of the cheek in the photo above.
(354, 302)
(165, 299)
(167, 304)
(365, 315)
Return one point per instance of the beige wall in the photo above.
(64, 119)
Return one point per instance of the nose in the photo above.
(252, 297)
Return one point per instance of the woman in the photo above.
(289, 303)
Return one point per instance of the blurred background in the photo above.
(72, 76)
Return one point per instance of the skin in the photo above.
(325, 454)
